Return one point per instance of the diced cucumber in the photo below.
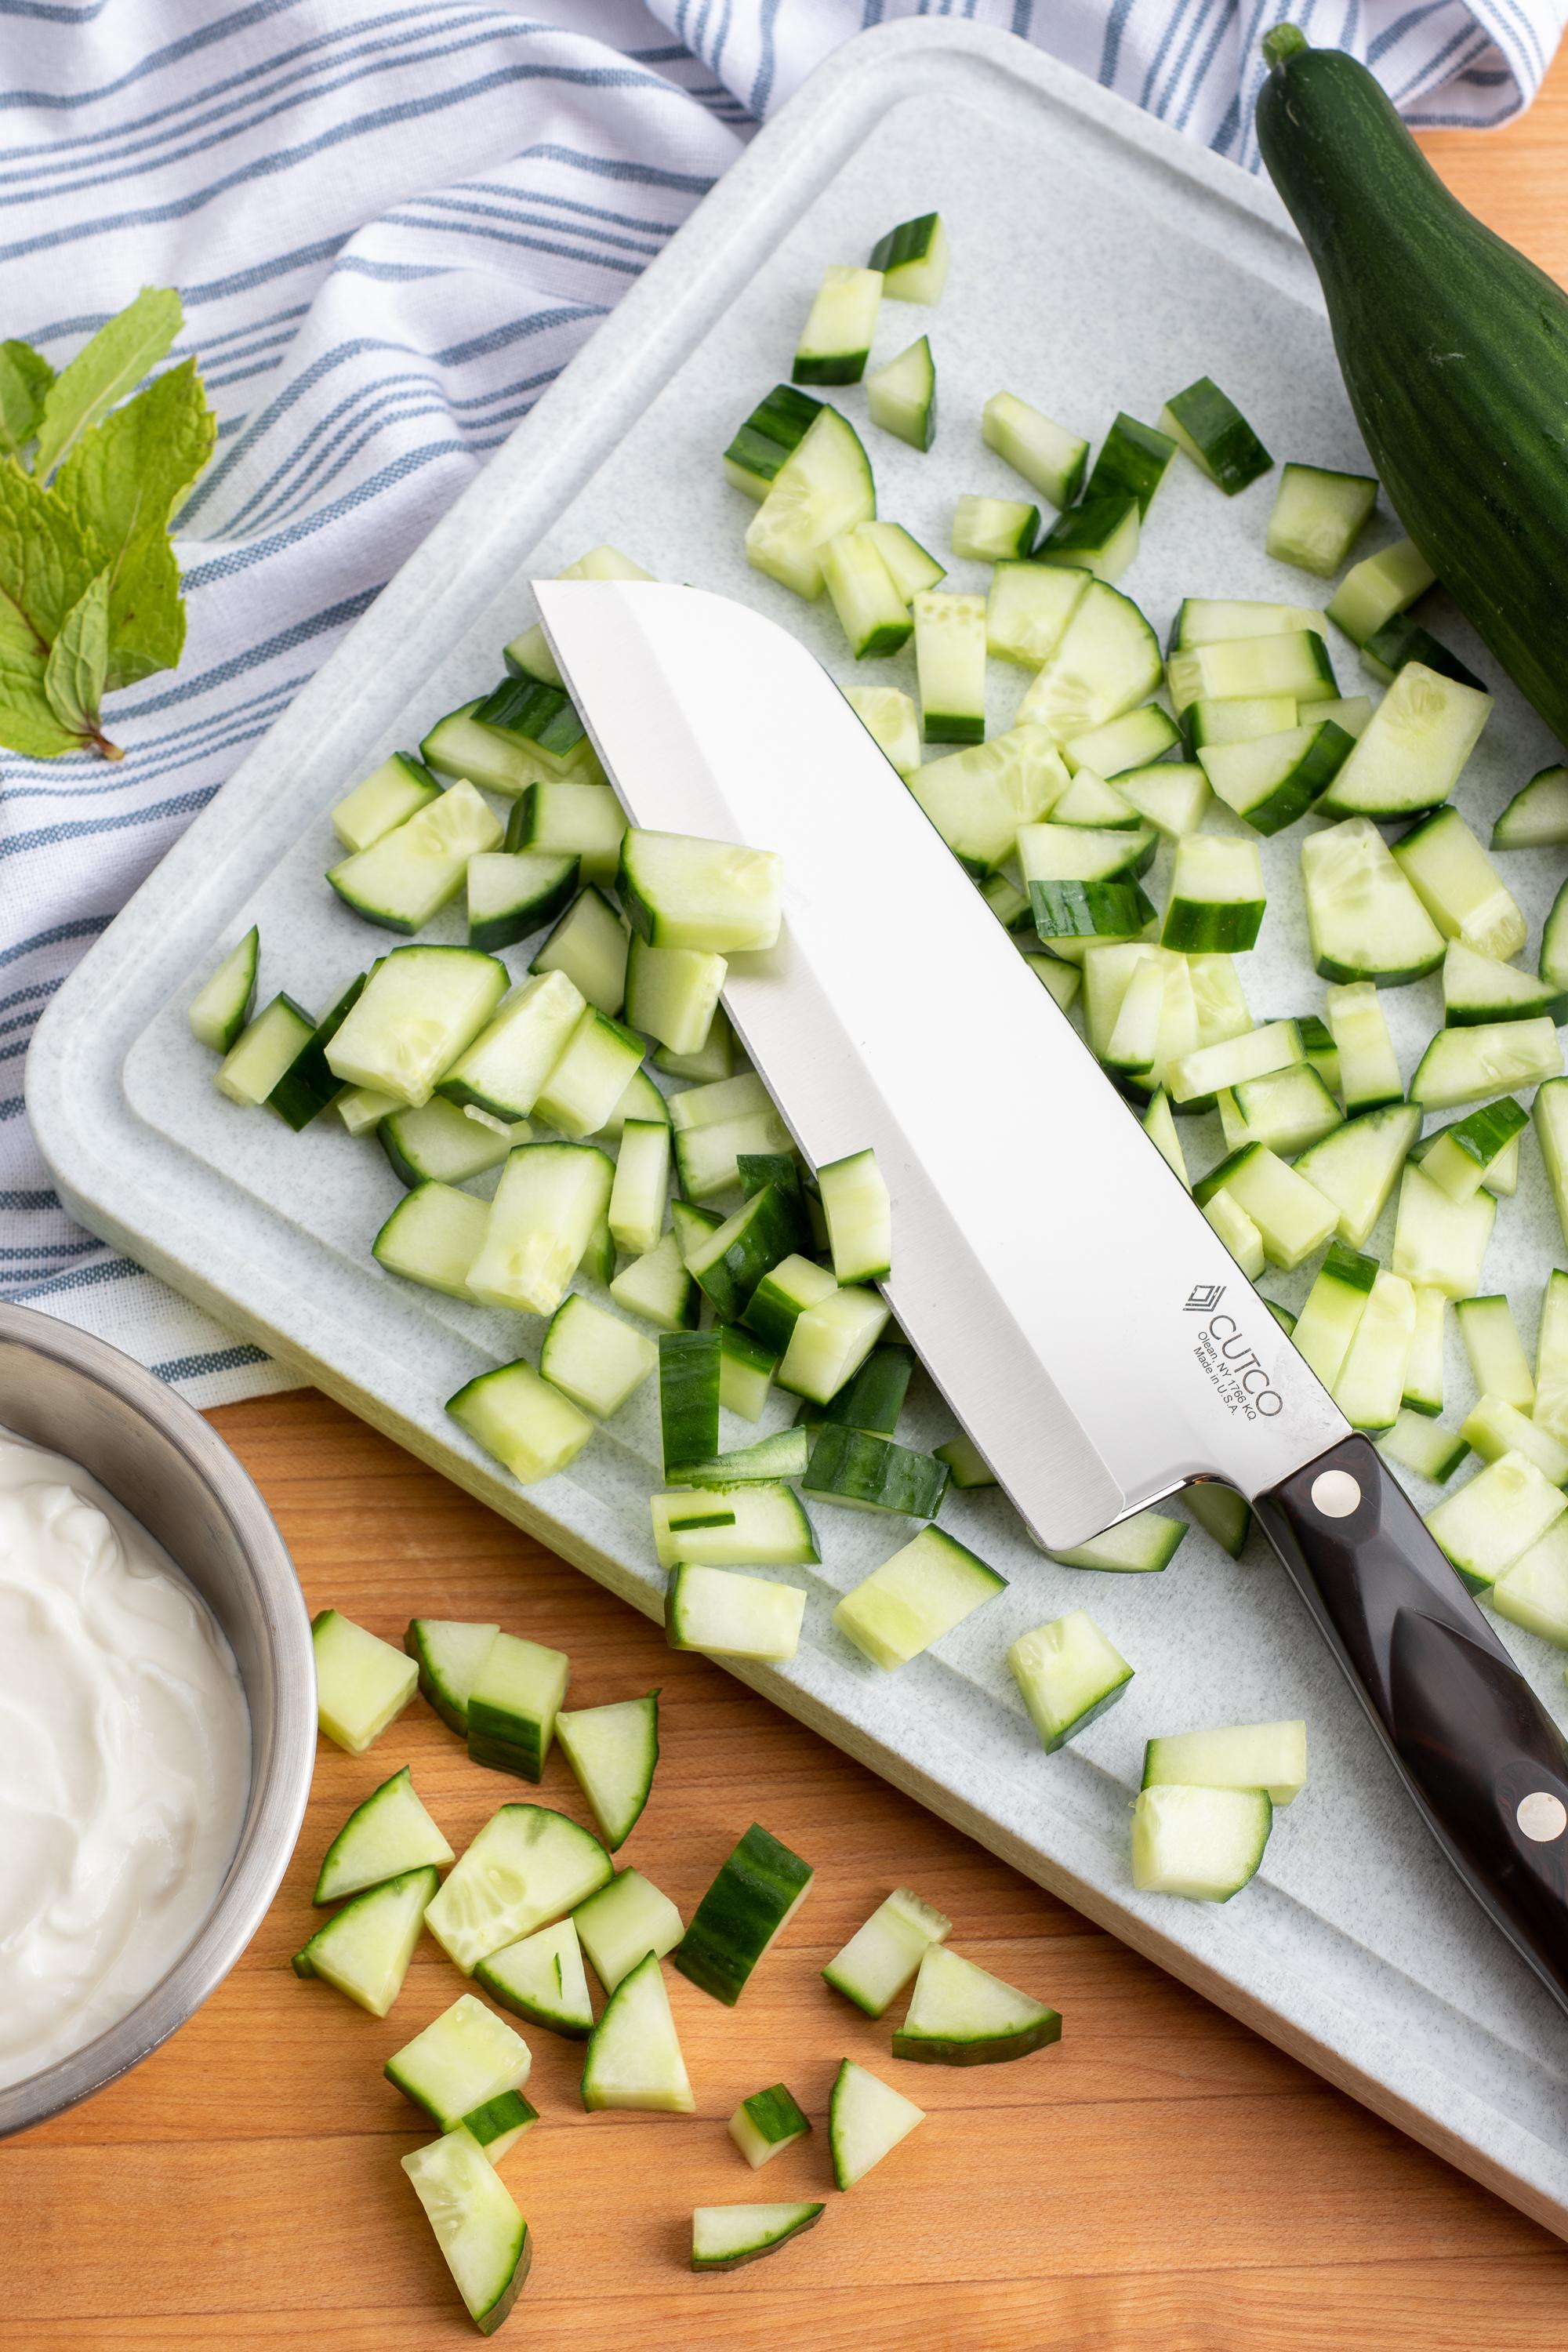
(388, 796)
(588, 947)
(303, 1089)
(1357, 1167)
(529, 1427)
(723, 1614)
(1479, 988)
(888, 714)
(689, 1395)
(1239, 1235)
(1160, 1126)
(406, 876)
(1216, 897)
(882, 1956)
(463, 747)
(776, 426)
(634, 2057)
(1290, 1110)
(1494, 1427)
(1549, 1117)
(725, 2236)
(1296, 664)
(550, 1199)
(913, 260)
(1333, 1309)
(447, 1653)
(767, 2123)
(1459, 887)
(862, 590)
(979, 798)
(866, 2118)
(785, 1454)
(439, 1144)
(541, 717)
(1215, 434)
(513, 1705)
(950, 666)
(1418, 1442)
(540, 1977)
(1423, 1366)
(1317, 517)
(528, 656)
(1537, 816)
(640, 1192)
(714, 1124)
(713, 1059)
(1552, 1357)
(1370, 1389)
(730, 1262)
(1034, 444)
(524, 1868)
(624, 1922)
(510, 895)
(915, 1598)
(1351, 711)
(1368, 1069)
(1441, 1243)
(264, 1051)
(419, 1010)
(681, 892)
(1132, 462)
(910, 566)
(1496, 1352)
(992, 530)
(672, 994)
(1219, 620)
(613, 1751)
(482, 2236)
(900, 397)
(362, 1108)
(1204, 1843)
(1106, 660)
(658, 1286)
(835, 340)
(505, 1069)
(1089, 800)
(1143, 1543)
(859, 1214)
(591, 1075)
(1028, 609)
(1534, 1592)
(1419, 739)
(1219, 1510)
(1067, 1674)
(1099, 537)
(1404, 640)
(823, 488)
(1380, 586)
(221, 1007)
(961, 2015)
(1135, 741)
(1241, 719)
(865, 1473)
(363, 1683)
(760, 1527)
(1363, 919)
(1174, 798)
(467, 2057)
(1495, 1517)
(1268, 1756)
(1273, 778)
(872, 1399)
(746, 1369)
(1255, 1054)
(760, 1887)
(386, 1835)
(830, 1341)
(782, 1295)
(568, 817)
(497, 2124)
(1292, 1217)
(364, 1951)
(1488, 1058)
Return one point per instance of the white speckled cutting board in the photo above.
(1099, 262)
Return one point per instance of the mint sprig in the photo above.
(89, 589)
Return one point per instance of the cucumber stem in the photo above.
(1283, 43)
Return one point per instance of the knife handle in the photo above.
(1487, 1765)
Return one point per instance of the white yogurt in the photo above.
(124, 1760)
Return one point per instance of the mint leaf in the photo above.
(78, 662)
(122, 479)
(146, 612)
(46, 557)
(25, 376)
(104, 371)
(26, 722)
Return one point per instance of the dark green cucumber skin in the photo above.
(532, 713)
(1311, 775)
(455, 1718)
(1088, 525)
(910, 241)
(1404, 640)
(1453, 350)
(979, 2053)
(493, 932)
(1087, 910)
(689, 1367)
(307, 1085)
(1220, 430)
(491, 1743)
(1132, 463)
(744, 1905)
(872, 1399)
(775, 1231)
(855, 1465)
(739, 2261)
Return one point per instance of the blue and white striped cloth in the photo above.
(393, 225)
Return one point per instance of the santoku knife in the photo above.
(1085, 1325)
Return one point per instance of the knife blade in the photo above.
(1083, 1320)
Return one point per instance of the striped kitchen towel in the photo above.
(392, 227)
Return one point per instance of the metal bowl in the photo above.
(156, 1455)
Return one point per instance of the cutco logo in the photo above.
(1230, 1360)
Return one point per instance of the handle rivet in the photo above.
(1541, 1816)
(1335, 1495)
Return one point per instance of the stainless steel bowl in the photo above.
(157, 1455)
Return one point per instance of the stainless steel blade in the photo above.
(1085, 1323)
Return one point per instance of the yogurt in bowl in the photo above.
(126, 1761)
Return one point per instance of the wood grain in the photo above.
(1163, 2181)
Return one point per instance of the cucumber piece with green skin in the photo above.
(966, 1466)
(463, 747)
(888, 714)
(419, 1011)
(824, 487)
(1537, 816)
(513, 1704)
(388, 796)
(1221, 620)
(482, 2236)
(1292, 1217)
(872, 1399)
(725, 2236)
(681, 892)
(1317, 1044)
(623, 1922)
(1217, 897)
(866, 2118)
(767, 2123)
(440, 1144)
(1239, 720)
(1496, 1352)
(720, 1614)
(658, 1286)
(732, 1260)
(1534, 1592)
(1142, 1544)
(978, 798)
(1403, 640)
(221, 1007)
(1357, 1167)
(447, 1653)
(1239, 1235)
(777, 425)
(1439, 1244)
(1173, 797)
(589, 946)
(1204, 1843)
(568, 817)
(1489, 1058)
(713, 1059)
(672, 994)
(612, 1750)
(497, 2124)
(1034, 444)
(913, 260)
(1417, 741)
(1294, 663)
(550, 1201)
(830, 1341)
(900, 397)
(363, 1683)
(735, 1527)
(595, 1067)
(1552, 1359)
(1459, 887)
(1219, 1510)
(263, 1052)
(1136, 740)
(1106, 660)
(640, 1192)
(524, 1869)
(1317, 517)
(1290, 1110)
(911, 566)
(1370, 1389)
(859, 1214)
(1274, 779)
(689, 1395)
(1099, 537)
(1368, 1068)
(950, 666)
(961, 2015)
(746, 1369)
(1351, 711)
(1418, 1442)
(510, 895)
(882, 1956)
(1028, 609)
(785, 1454)
(1549, 1117)
(835, 340)
(1495, 1518)
(1378, 587)
(1076, 853)
(992, 530)
(505, 1070)
(594, 1358)
(1423, 1366)
(404, 878)
(713, 1125)
(760, 1887)
(541, 1979)
(1205, 424)
(362, 1108)
(1067, 1674)
(1159, 1127)
(541, 718)
(1334, 1309)
(1363, 919)
(1089, 800)
(1232, 1061)
(863, 592)
(303, 1090)
(528, 656)
(1495, 1427)
(529, 1427)
(860, 1472)
(1132, 462)
(364, 1951)
(388, 1833)
(915, 1598)
(465, 2057)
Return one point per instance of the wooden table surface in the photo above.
(1163, 2181)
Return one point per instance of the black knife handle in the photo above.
(1486, 1763)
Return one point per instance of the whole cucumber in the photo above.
(1453, 350)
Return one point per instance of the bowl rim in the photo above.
(276, 1807)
